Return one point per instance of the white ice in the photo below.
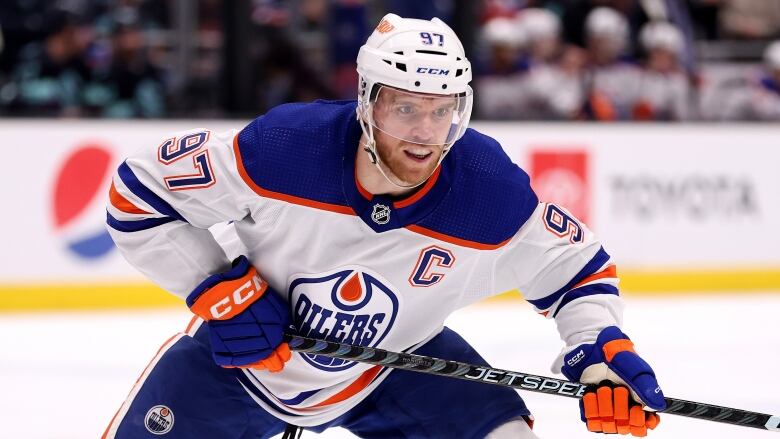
(63, 375)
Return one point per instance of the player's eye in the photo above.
(405, 110)
(442, 112)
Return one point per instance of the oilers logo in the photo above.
(159, 420)
(350, 305)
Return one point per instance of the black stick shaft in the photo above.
(517, 380)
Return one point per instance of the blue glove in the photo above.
(246, 318)
(608, 365)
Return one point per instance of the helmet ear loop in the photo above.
(365, 120)
(368, 129)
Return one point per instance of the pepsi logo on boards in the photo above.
(82, 178)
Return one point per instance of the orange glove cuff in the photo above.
(229, 298)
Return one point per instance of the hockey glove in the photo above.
(245, 317)
(621, 383)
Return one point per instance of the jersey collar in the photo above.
(381, 212)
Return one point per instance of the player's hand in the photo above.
(245, 317)
(623, 389)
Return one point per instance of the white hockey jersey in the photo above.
(354, 267)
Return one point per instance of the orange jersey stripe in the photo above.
(363, 192)
(138, 380)
(610, 271)
(122, 203)
(191, 324)
(351, 390)
(421, 193)
(453, 240)
(346, 210)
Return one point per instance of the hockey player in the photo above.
(612, 82)
(365, 222)
(664, 91)
(501, 74)
(553, 86)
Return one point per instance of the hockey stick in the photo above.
(517, 380)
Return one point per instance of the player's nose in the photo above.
(423, 131)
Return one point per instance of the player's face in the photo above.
(411, 131)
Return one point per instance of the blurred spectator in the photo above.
(543, 30)
(576, 12)
(131, 86)
(49, 73)
(505, 40)
(553, 86)
(537, 59)
(664, 91)
(612, 80)
(424, 10)
(750, 18)
(766, 100)
(757, 98)
(281, 75)
(500, 8)
(500, 72)
(348, 31)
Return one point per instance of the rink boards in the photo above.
(682, 208)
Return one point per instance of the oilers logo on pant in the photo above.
(159, 420)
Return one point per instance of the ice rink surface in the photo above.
(63, 375)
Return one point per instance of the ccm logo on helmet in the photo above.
(432, 71)
(241, 294)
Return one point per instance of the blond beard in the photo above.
(393, 167)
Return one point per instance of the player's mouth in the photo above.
(418, 155)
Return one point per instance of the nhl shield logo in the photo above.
(381, 214)
(159, 420)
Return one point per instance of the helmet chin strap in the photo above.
(370, 148)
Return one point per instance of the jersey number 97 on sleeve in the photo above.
(173, 150)
(561, 224)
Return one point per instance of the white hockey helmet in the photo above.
(604, 21)
(504, 31)
(661, 35)
(609, 26)
(772, 56)
(540, 23)
(417, 58)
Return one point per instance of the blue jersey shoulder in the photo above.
(490, 197)
(298, 149)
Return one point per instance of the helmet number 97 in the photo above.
(427, 38)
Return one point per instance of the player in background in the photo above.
(612, 82)
(766, 94)
(762, 99)
(751, 94)
(553, 86)
(502, 72)
(664, 91)
(364, 222)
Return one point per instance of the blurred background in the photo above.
(670, 60)
(654, 121)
